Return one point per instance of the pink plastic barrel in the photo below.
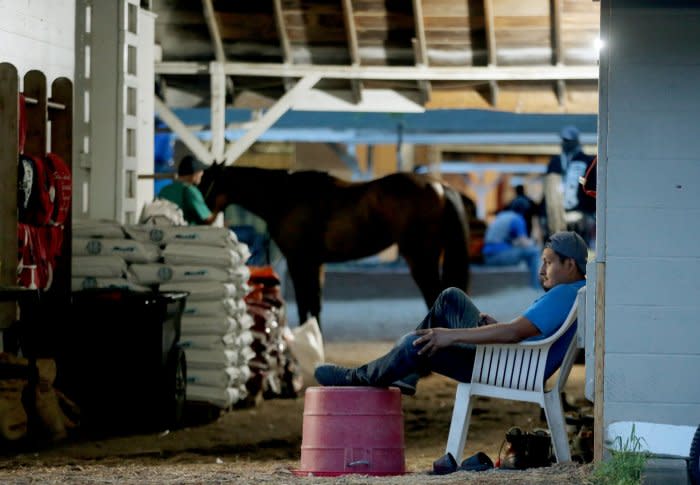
(352, 430)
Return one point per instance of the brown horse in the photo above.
(315, 218)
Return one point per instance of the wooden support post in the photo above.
(62, 145)
(9, 133)
(599, 389)
(37, 114)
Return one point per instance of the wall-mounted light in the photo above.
(599, 44)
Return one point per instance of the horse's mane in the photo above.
(281, 178)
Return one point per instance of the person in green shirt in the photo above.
(184, 192)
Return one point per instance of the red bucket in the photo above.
(352, 430)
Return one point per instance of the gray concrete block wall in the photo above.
(651, 210)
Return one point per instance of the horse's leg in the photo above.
(424, 264)
(306, 278)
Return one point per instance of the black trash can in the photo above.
(121, 361)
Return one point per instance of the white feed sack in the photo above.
(209, 341)
(192, 235)
(231, 307)
(90, 282)
(98, 266)
(132, 251)
(228, 377)
(211, 359)
(159, 273)
(183, 253)
(208, 325)
(95, 228)
(205, 290)
(221, 397)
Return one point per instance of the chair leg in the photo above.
(461, 412)
(557, 426)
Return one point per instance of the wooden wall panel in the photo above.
(518, 97)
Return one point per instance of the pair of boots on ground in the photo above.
(46, 402)
(525, 450)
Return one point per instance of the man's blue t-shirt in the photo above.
(548, 313)
(507, 226)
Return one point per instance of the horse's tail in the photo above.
(455, 263)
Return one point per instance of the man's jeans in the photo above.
(513, 255)
(452, 309)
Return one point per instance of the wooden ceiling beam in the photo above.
(285, 44)
(558, 48)
(420, 49)
(490, 31)
(353, 46)
(388, 73)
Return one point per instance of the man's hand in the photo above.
(485, 319)
(433, 339)
(523, 242)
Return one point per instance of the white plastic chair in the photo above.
(516, 372)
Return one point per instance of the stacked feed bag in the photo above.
(101, 253)
(275, 372)
(209, 263)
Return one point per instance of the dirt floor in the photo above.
(263, 444)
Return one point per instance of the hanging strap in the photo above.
(584, 179)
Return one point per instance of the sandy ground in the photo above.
(263, 444)
(363, 314)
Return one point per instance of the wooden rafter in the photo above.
(238, 147)
(215, 34)
(188, 138)
(420, 48)
(328, 71)
(558, 48)
(284, 41)
(349, 18)
(490, 30)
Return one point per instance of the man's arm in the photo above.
(196, 201)
(433, 339)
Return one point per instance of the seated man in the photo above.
(506, 242)
(445, 340)
(185, 194)
(525, 206)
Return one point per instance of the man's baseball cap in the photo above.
(570, 245)
(569, 132)
(189, 165)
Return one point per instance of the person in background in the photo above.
(445, 340)
(185, 193)
(507, 243)
(572, 164)
(524, 205)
